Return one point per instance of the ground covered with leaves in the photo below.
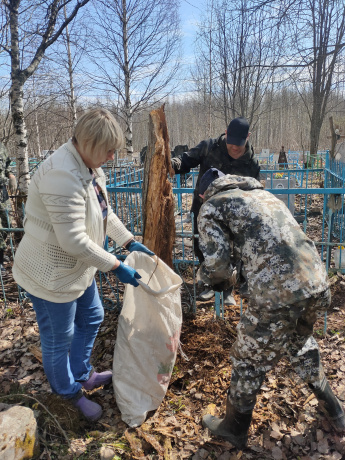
(287, 422)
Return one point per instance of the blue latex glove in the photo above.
(136, 246)
(127, 274)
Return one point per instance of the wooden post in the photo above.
(158, 200)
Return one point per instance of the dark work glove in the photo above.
(136, 246)
(127, 274)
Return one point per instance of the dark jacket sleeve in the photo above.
(188, 160)
(255, 167)
(257, 172)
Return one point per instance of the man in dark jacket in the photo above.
(231, 153)
(243, 228)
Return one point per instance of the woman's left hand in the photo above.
(136, 246)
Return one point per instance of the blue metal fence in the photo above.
(302, 188)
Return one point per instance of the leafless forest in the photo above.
(279, 64)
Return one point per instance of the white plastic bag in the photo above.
(148, 336)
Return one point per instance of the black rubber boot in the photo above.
(233, 427)
(331, 405)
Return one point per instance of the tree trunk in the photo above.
(333, 138)
(70, 75)
(17, 107)
(316, 123)
(158, 200)
(126, 69)
(22, 162)
(129, 133)
(20, 75)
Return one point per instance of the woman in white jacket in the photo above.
(67, 219)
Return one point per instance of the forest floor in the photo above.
(287, 423)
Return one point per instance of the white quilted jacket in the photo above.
(62, 246)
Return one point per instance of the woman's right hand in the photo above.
(127, 274)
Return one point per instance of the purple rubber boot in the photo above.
(91, 410)
(97, 380)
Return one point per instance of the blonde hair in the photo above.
(97, 132)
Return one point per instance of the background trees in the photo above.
(313, 53)
(280, 65)
(326, 24)
(29, 29)
(134, 48)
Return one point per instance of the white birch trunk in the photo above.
(17, 105)
(129, 133)
(22, 163)
(19, 76)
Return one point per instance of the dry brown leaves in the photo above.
(286, 424)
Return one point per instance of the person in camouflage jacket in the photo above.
(231, 153)
(5, 175)
(246, 230)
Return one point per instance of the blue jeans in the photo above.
(68, 332)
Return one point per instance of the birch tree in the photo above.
(32, 28)
(135, 50)
(4, 84)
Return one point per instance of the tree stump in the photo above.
(158, 199)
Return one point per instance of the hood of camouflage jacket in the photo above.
(229, 182)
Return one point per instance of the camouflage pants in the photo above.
(265, 335)
(4, 207)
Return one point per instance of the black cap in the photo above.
(209, 176)
(237, 131)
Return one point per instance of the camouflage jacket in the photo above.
(213, 153)
(242, 225)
